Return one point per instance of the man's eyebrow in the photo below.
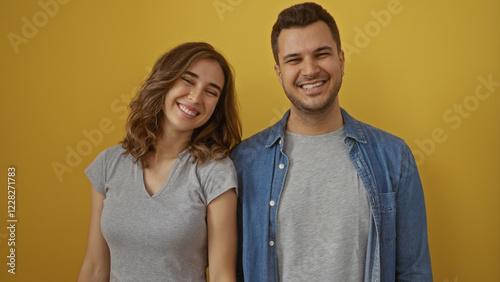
(290, 56)
(211, 83)
(322, 48)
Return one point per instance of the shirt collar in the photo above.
(277, 130)
(353, 129)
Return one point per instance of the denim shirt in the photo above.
(397, 246)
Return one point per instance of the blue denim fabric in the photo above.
(397, 245)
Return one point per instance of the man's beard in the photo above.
(317, 108)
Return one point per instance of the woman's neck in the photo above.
(169, 147)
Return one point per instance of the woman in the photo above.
(164, 201)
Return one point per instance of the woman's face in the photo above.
(193, 98)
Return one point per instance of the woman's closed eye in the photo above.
(188, 80)
(212, 92)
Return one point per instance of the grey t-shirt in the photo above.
(323, 213)
(161, 237)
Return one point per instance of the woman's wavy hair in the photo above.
(144, 127)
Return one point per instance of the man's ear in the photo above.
(278, 73)
(342, 60)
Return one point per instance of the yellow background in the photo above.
(65, 82)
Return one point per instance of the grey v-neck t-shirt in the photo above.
(323, 213)
(161, 237)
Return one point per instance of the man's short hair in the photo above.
(302, 15)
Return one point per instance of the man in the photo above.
(324, 197)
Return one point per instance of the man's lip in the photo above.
(300, 84)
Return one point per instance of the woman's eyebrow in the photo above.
(210, 83)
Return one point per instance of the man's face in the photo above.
(310, 67)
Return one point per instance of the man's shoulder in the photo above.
(389, 150)
(380, 135)
(259, 139)
(253, 145)
(371, 135)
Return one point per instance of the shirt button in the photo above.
(272, 203)
(279, 142)
(281, 166)
(271, 243)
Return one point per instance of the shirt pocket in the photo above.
(388, 216)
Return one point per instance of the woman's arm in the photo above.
(95, 266)
(222, 237)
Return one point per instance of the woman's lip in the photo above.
(187, 110)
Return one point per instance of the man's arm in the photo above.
(412, 248)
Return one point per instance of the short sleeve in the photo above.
(96, 172)
(221, 178)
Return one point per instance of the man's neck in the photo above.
(314, 124)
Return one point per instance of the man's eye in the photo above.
(321, 55)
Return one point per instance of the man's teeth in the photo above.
(311, 86)
(187, 111)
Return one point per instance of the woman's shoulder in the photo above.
(206, 168)
(217, 176)
(116, 150)
(217, 168)
(112, 154)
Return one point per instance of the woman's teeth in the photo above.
(187, 111)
